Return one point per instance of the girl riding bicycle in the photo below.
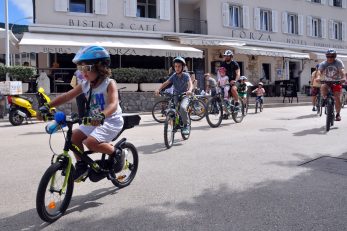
(102, 106)
(259, 91)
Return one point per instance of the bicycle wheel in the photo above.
(51, 202)
(196, 110)
(256, 106)
(261, 107)
(330, 114)
(214, 114)
(158, 110)
(169, 133)
(343, 100)
(238, 115)
(127, 175)
(245, 103)
(186, 136)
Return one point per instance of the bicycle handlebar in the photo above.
(331, 81)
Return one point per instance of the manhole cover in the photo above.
(328, 164)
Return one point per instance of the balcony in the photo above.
(192, 26)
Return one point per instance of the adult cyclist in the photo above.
(332, 69)
(181, 84)
(233, 72)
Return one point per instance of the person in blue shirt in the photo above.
(181, 84)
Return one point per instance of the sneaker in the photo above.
(314, 109)
(117, 161)
(338, 117)
(185, 130)
(237, 107)
(81, 171)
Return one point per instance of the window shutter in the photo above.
(100, 7)
(344, 4)
(245, 17)
(165, 9)
(331, 2)
(257, 18)
(285, 22)
(300, 24)
(61, 5)
(309, 26)
(324, 28)
(344, 31)
(226, 14)
(130, 8)
(323, 2)
(331, 29)
(274, 16)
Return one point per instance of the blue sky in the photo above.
(17, 10)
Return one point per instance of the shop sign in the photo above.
(121, 51)
(57, 50)
(112, 25)
(250, 35)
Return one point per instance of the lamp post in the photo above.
(7, 45)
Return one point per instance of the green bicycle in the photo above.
(56, 186)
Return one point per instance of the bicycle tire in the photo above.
(184, 136)
(261, 107)
(330, 114)
(169, 133)
(42, 190)
(343, 100)
(214, 111)
(120, 179)
(256, 106)
(157, 111)
(236, 118)
(196, 113)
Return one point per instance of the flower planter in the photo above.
(128, 86)
(149, 86)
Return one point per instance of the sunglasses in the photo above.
(330, 57)
(85, 68)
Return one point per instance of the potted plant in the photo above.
(152, 79)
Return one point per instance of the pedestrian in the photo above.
(211, 84)
(315, 86)
(81, 100)
(233, 72)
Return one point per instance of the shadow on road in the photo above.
(157, 147)
(313, 131)
(310, 116)
(29, 220)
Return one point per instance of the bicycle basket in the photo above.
(131, 121)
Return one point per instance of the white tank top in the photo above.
(99, 98)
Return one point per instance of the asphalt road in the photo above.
(246, 176)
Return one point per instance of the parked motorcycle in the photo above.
(21, 107)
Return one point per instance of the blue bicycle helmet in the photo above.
(92, 54)
(179, 59)
(331, 52)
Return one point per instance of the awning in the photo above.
(64, 43)
(321, 56)
(248, 50)
(13, 42)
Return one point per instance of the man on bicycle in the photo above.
(233, 72)
(181, 84)
(333, 70)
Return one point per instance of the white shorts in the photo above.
(106, 132)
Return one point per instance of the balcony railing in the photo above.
(192, 26)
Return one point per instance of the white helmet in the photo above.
(260, 83)
(228, 53)
(243, 78)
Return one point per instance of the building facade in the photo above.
(272, 40)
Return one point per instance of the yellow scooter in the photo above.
(21, 107)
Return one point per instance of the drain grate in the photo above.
(329, 164)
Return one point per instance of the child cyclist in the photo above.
(259, 91)
(242, 88)
(102, 106)
(223, 82)
(181, 84)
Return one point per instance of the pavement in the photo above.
(277, 170)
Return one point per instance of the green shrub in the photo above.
(19, 73)
(137, 75)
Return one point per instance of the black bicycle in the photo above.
(173, 122)
(218, 109)
(56, 186)
(259, 103)
(329, 105)
(121, 103)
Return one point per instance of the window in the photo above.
(265, 72)
(293, 24)
(265, 20)
(337, 3)
(81, 6)
(146, 9)
(316, 1)
(316, 27)
(235, 16)
(337, 30)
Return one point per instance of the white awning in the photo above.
(321, 56)
(249, 50)
(64, 43)
(13, 42)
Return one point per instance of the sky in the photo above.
(17, 10)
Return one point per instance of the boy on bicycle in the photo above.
(242, 88)
(259, 91)
(181, 84)
(102, 106)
